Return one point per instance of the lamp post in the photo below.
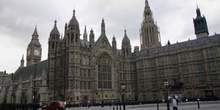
(123, 95)
(34, 98)
(101, 72)
(166, 84)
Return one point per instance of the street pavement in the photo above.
(211, 105)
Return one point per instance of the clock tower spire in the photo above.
(34, 49)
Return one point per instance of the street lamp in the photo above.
(34, 98)
(123, 95)
(166, 84)
(102, 87)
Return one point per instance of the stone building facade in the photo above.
(4, 78)
(78, 70)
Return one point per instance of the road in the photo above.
(212, 105)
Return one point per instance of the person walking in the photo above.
(174, 102)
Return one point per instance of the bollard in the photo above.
(117, 107)
(120, 106)
(198, 103)
(113, 107)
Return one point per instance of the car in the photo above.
(54, 105)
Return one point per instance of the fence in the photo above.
(19, 106)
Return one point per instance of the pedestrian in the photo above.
(174, 102)
(88, 104)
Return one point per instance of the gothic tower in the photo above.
(71, 55)
(53, 46)
(149, 31)
(200, 25)
(34, 49)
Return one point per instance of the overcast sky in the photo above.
(19, 17)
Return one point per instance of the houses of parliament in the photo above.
(78, 70)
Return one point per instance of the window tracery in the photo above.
(104, 72)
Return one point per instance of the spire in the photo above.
(125, 39)
(35, 40)
(113, 38)
(91, 32)
(114, 45)
(103, 26)
(85, 34)
(125, 32)
(55, 30)
(148, 15)
(35, 31)
(126, 46)
(198, 12)
(74, 11)
(146, 4)
(22, 61)
(35, 34)
(74, 21)
(55, 23)
(91, 37)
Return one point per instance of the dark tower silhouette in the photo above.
(200, 25)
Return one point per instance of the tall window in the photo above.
(104, 72)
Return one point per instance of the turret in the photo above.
(91, 38)
(73, 31)
(54, 38)
(126, 46)
(85, 34)
(114, 44)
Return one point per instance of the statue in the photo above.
(176, 86)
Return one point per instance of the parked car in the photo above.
(54, 105)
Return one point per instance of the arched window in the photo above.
(104, 72)
(52, 45)
(72, 37)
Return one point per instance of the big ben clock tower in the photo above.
(34, 49)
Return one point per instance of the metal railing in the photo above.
(19, 106)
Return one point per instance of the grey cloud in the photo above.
(174, 18)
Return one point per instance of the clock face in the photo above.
(36, 52)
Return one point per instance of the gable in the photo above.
(102, 43)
